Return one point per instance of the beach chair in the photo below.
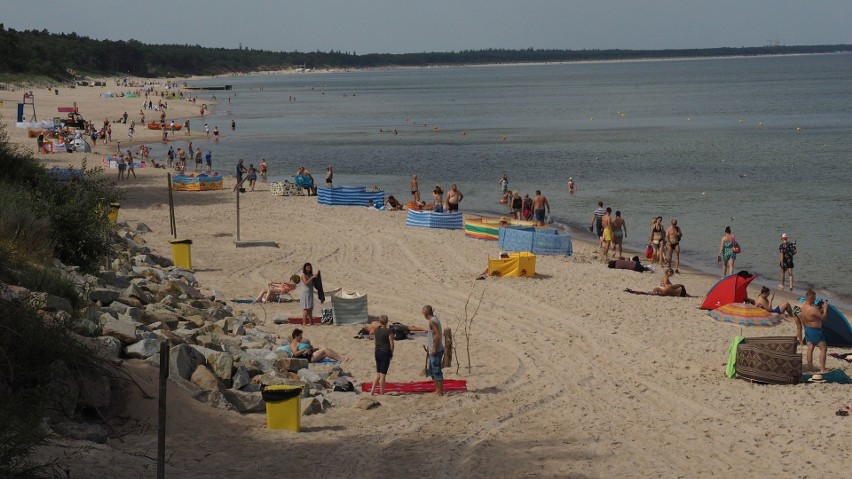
(290, 189)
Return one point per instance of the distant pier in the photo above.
(211, 87)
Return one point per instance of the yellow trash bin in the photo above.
(182, 253)
(113, 212)
(283, 406)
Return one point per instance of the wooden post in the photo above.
(161, 420)
(448, 348)
(172, 224)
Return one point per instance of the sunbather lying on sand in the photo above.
(304, 349)
(370, 329)
(666, 288)
(631, 264)
(422, 206)
(392, 204)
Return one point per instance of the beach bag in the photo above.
(343, 385)
(400, 331)
(736, 247)
(649, 252)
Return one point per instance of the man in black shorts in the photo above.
(454, 197)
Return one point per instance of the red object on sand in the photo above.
(728, 290)
(419, 386)
(314, 320)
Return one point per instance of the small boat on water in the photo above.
(156, 126)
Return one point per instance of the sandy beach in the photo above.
(570, 375)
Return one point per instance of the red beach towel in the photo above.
(314, 320)
(419, 386)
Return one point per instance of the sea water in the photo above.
(759, 144)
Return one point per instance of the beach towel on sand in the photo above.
(297, 320)
(837, 376)
(845, 357)
(731, 370)
(419, 386)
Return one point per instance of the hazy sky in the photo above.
(400, 26)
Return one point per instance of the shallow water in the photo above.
(711, 142)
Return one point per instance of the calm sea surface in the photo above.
(760, 144)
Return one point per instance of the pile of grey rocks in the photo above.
(217, 354)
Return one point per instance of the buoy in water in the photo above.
(798, 129)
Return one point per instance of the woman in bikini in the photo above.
(764, 301)
(393, 204)
(656, 241)
(438, 194)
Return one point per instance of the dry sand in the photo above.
(570, 377)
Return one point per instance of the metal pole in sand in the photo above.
(238, 212)
(161, 420)
(172, 224)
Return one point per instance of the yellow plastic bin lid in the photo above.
(280, 392)
(181, 241)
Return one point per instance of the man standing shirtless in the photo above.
(606, 239)
(673, 236)
(454, 197)
(812, 318)
(415, 191)
(540, 204)
(619, 232)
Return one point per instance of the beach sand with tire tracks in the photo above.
(570, 376)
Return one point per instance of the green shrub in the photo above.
(18, 167)
(41, 218)
(79, 229)
(30, 346)
(49, 280)
(24, 230)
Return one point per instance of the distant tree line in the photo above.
(60, 56)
